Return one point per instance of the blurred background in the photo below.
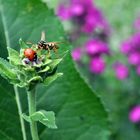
(105, 39)
(105, 36)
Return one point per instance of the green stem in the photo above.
(32, 109)
(20, 112)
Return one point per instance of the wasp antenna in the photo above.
(43, 35)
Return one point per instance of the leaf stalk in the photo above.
(32, 109)
(20, 112)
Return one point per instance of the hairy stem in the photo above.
(32, 109)
(20, 112)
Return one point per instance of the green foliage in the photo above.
(14, 56)
(79, 112)
(26, 118)
(55, 63)
(45, 117)
(29, 75)
(7, 71)
(52, 78)
(22, 44)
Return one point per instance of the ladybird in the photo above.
(30, 54)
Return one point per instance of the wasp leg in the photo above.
(49, 51)
(56, 51)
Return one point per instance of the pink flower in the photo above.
(126, 47)
(76, 54)
(135, 39)
(64, 12)
(94, 20)
(97, 65)
(77, 10)
(134, 58)
(96, 47)
(121, 71)
(134, 114)
(87, 3)
(87, 28)
(85, 14)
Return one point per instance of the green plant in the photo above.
(79, 112)
(22, 74)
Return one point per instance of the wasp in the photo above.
(48, 45)
(42, 44)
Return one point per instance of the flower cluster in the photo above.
(84, 14)
(95, 49)
(87, 19)
(131, 48)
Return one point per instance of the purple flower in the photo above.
(87, 28)
(90, 24)
(131, 48)
(121, 71)
(85, 14)
(97, 65)
(131, 45)
(77, 9)
(126, 47)
(135, 39)
(134, 58)
(93, 20)
(134, 114)
(76, 54)
(86, 3)
(64, 12)
(96, 47)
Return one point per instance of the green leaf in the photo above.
(47, 61)
(21, 84)
(35, 79)
(30, 69)
(54, 63)
(52, 78)
(26, 118)
(22, 44)
(6, 70)
(14, 56)
(44, 70)
(45, 117)
(79, 112)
